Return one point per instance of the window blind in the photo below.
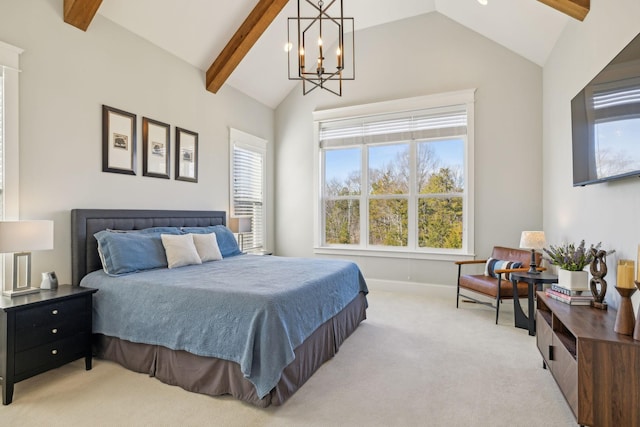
(408, 125)
(248, 197)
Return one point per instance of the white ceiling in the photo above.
(197, 31)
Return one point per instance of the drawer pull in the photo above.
(54, 331)
(54, 352)
(54, 312)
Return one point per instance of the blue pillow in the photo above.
(497, 264)
(226, 240)
(129, 252)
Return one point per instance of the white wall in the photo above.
(67, 76)
(424, 55)
(603, 212)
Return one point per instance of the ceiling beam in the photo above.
(242, 41)
(577, 9)
(79, 13)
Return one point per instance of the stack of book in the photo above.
(569, 296)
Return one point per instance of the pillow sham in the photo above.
(226, 240)
(496, 264)
(180, 250)
(124, 253)
(207, 246)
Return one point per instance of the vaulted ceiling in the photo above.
(215, 35)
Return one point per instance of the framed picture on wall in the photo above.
(156, 148)
(118, 141)
(186, 155)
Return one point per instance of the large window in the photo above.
(397, 179)
(248, 177)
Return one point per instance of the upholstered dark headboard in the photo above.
(86, 222)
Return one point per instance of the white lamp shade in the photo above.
(240, 225)
(532, 240)
(25, 236)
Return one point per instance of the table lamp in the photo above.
(533, 240)
(240, 226)
(19, 238)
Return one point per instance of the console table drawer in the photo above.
(565, 371)
(51, 354)
(46, 314)
(544, 336)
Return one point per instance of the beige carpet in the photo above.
(416, 361)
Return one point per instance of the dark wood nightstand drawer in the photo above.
(46, 314)
(52, 354)
(64, 327)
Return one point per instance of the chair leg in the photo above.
(498, 297)
(458, 287)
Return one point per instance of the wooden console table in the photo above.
(597, 370)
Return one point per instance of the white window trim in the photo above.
(245, 140)
(466, 97)
(10, 62)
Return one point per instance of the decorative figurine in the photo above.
(598, 269)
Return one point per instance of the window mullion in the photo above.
(364, 198)
(322, 221)
(412, 220)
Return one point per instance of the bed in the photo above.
(254, 327)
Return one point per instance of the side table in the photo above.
(533, 280)
(43, 331)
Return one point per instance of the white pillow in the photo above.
(180, 250)
(207, 247)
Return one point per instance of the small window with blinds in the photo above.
(395, 181)
(248, 176)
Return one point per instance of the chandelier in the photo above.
(322, 57)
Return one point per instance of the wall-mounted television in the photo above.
(605, 121)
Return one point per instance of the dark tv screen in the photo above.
(605, 121)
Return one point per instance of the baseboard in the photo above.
(399, 285)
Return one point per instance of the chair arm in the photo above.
(474, 261)
(470, 262)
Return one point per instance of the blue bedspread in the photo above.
(253, 310)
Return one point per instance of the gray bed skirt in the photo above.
(217, 377)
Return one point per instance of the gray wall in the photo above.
(602, 212)
(67, 76)
(424, 55)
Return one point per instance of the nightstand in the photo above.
(43, 331)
